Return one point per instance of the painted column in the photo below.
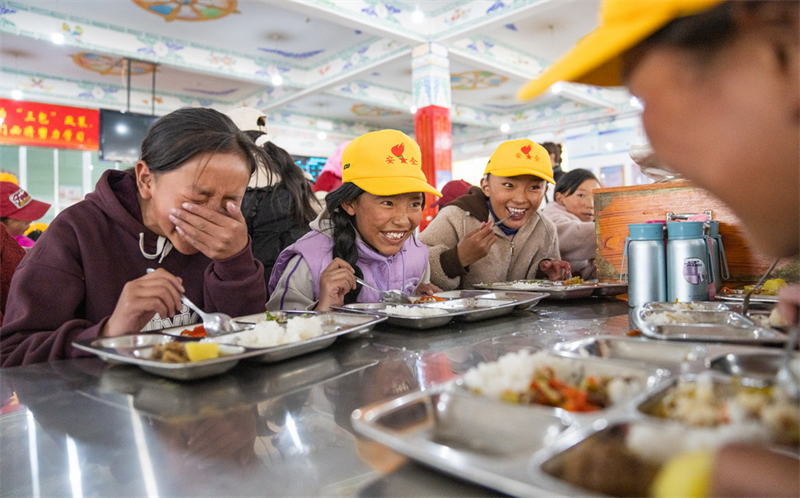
(430, 65)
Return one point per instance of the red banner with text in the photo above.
(46, 125)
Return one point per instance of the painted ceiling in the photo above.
(345, 64)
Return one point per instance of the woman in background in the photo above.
(573, 214)
(278, 204)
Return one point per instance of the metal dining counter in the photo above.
(87, 428)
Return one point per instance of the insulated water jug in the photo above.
(644, 252)
(688, 262)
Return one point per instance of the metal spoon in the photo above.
(746, 302)
(390, 296)
(214, 323)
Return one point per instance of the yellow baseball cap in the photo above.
(595, 59)
(386, 162)
(520, 157)
(8, 177)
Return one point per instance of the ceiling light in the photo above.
(16, 94)
(121, 129)
(609, 146)
(413, 109)
(556, 88)
(504, 128)
(57, 38)
(418, 16)
(322, 135)
(277, 80)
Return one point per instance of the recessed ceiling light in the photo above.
(418, 16)
(322, 135)
(16, 94)
(277, 80)
(57, 38)
(504, 128)
(413, 109)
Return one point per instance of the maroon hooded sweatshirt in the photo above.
(67, 286)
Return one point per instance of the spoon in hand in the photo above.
(390, 296)
(214, 323)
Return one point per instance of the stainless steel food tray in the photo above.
(477, 438)
(136, 349)
(555, 290)
(334, 325)
(693, 306)
(525, 299)
(738, 296)
(707, 326)
(469, 309)
(503, 446)
(678, 357)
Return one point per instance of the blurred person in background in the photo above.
(278, 204)
(330, 178)
(18, 210)
(451, 191)
(573, 214)
(719, 82)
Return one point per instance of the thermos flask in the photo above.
(688, 258)
(644, 251)
(719, 263)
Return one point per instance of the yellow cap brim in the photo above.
(395, 186)
(595, 59)
(509, 172)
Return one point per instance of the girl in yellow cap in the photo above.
(366, 230)
(495, 233)
(719, 82)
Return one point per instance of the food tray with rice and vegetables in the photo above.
(573, 288)
(702, 325)
(437, 314)
(176, 355)
(507, 425)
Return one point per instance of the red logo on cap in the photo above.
(397, 150)
(19, 198)
(526, 150)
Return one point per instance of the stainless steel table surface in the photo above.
(87, 428)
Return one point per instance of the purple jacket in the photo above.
(67, 286)
(403, 270)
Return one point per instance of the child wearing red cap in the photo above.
(495, 233)
(366, 231)
(18, 210)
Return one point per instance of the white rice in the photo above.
(413, 311)
(513, 372)
(672, 317)
(526, 285)
(270, 333)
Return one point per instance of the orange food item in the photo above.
(633, 333)
(431, 299)
(198, 331)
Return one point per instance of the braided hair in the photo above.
(344, 230)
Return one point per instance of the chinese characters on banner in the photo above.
(45, 125)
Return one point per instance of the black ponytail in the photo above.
(280, 162)
(344, 231)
